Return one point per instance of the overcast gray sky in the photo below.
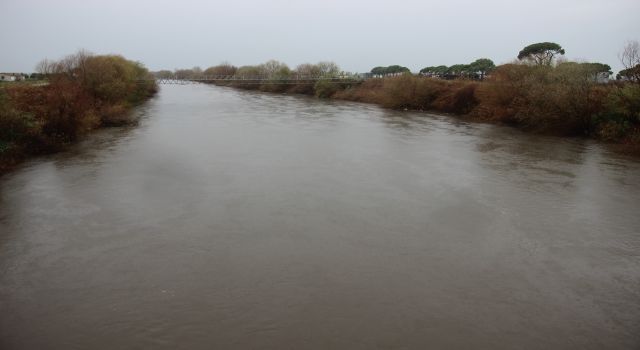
(356, 34)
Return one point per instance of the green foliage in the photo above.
(598, 72)
(631, 74)
(14, 126)
(621, 112)
(246, 72)
(434, 70)
(397, 69)
(599, 68)
(541, 54)
(114, 79)
(478, 68)
(273, 69)
(379, 70)
(483, 66)
(458, 69)
(325, 88)
(394, 69)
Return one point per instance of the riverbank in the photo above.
(564, 100)
(84, 92)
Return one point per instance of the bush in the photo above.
(370, 91)
(621, 113)
(542, 98)
(399, 92)
(459, 98)
(326, 89)
(115, 115)
(14, 126)
(84, 92)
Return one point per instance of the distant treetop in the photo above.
(541, 54)
(395, 69)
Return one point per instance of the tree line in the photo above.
(544, 54)
(271, 69)
(476, 69)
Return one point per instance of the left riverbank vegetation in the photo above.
(541, 91)
(76, 94)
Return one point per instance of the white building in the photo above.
(7, 77)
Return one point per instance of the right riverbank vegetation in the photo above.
(73, 96)
(539, 92)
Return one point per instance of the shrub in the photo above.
(15, 127)
(620, 116)
(543, 98)
(84, 92)
(326, 89)
(115, 115)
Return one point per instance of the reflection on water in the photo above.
(232, 219)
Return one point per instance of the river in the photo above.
(230, 219)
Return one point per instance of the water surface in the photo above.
(237, 220)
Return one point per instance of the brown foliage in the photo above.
(413, 92)
(84, 92)
(458, 98)
(63, 111)
(558, 100)
(369, 91)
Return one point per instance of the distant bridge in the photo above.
(258, 80)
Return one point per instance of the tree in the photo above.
(440, 70)
(45, 67)
(427, 70)
(328, 69)
(458, 69)
(482, 66)
(163, 74)
(600, 68)
(542, 54)
(379, 70)
(223, 69)
(600, 71)
(183, 74)
(248, 72)
(273, 69)
(630, 59)
(307, 70)
(597, 72)
(197, 72)
(631, 74)
(320, 69)
(395, 69)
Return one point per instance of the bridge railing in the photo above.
(257, 79)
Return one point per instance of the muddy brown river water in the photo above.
(236, 220)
